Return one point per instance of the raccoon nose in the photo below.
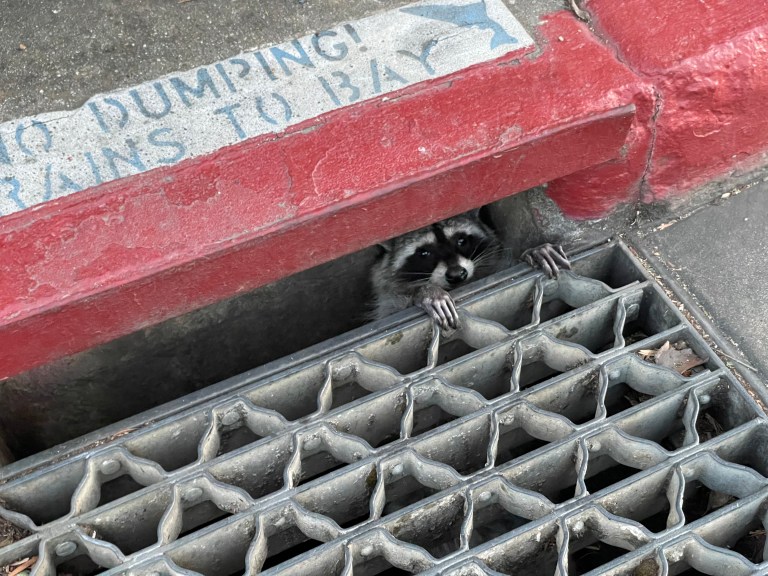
(456, 274)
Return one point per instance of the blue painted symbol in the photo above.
(466, 16)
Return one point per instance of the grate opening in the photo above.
(233, 438)
(721, 411)
(515, 442)
(10, 533)
(684, 569)
(306, 385)
(647, 566)
(348, 392)
(452, 350)
(576, 398)
(599, 335)
(260, 479)
(437, 530)
(131, 538)
(325, 561)
(622, 396)
(405, 491)
(349, 507)
(492, 521)
(172, 446)
(211, 556)
(614, 268)
(317, 465)
(199, 516)
(667, 426)
(700, 500)
(555, 479)
(750, 543)
(589, 552)
(604, 471)
(645, 500)
(654, 317)
(382, 426)
(81, 565)
(406, 350)
(489, 376)
(39, 504)
(286, 545)
(707, 427)
(378, 566)
(535, 373)
(540, 558)
(117, 488)
(512, 308)
(429, 417)
(465, 448)
(497, 384)
(750, 452)
(657, 522)
(554, 308)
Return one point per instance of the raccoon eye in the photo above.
(424, 253)
(461, 240)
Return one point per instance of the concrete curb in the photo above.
(707, 65)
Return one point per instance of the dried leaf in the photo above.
(680, 360)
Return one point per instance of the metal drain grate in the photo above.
(535, 440)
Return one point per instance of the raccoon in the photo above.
(420, 267)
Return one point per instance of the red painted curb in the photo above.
(87, 268)
(708, 65)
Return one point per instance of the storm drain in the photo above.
(537, 439)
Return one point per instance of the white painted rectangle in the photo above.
(259, 91)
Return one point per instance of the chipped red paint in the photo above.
(708, 65)
(88, 268)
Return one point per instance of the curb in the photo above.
(135, 251)
(707, 64)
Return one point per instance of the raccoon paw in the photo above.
(439, 305)
(549, 257)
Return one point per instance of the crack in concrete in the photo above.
(606, 40)
(645, 195)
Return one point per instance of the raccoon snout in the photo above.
(456, 274)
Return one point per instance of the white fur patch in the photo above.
(438, 276)
(466, 227)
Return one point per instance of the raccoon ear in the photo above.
(384, 247)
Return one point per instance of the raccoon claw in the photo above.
(549, 257)
(439, 306)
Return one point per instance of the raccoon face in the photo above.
(447, 254)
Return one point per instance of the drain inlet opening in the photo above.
(437, 529)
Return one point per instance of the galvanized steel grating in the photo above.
(534, 440)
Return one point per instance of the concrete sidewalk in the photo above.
(56, 55)
(717, 254)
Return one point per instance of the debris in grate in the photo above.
(677, 356)
(547, 435)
